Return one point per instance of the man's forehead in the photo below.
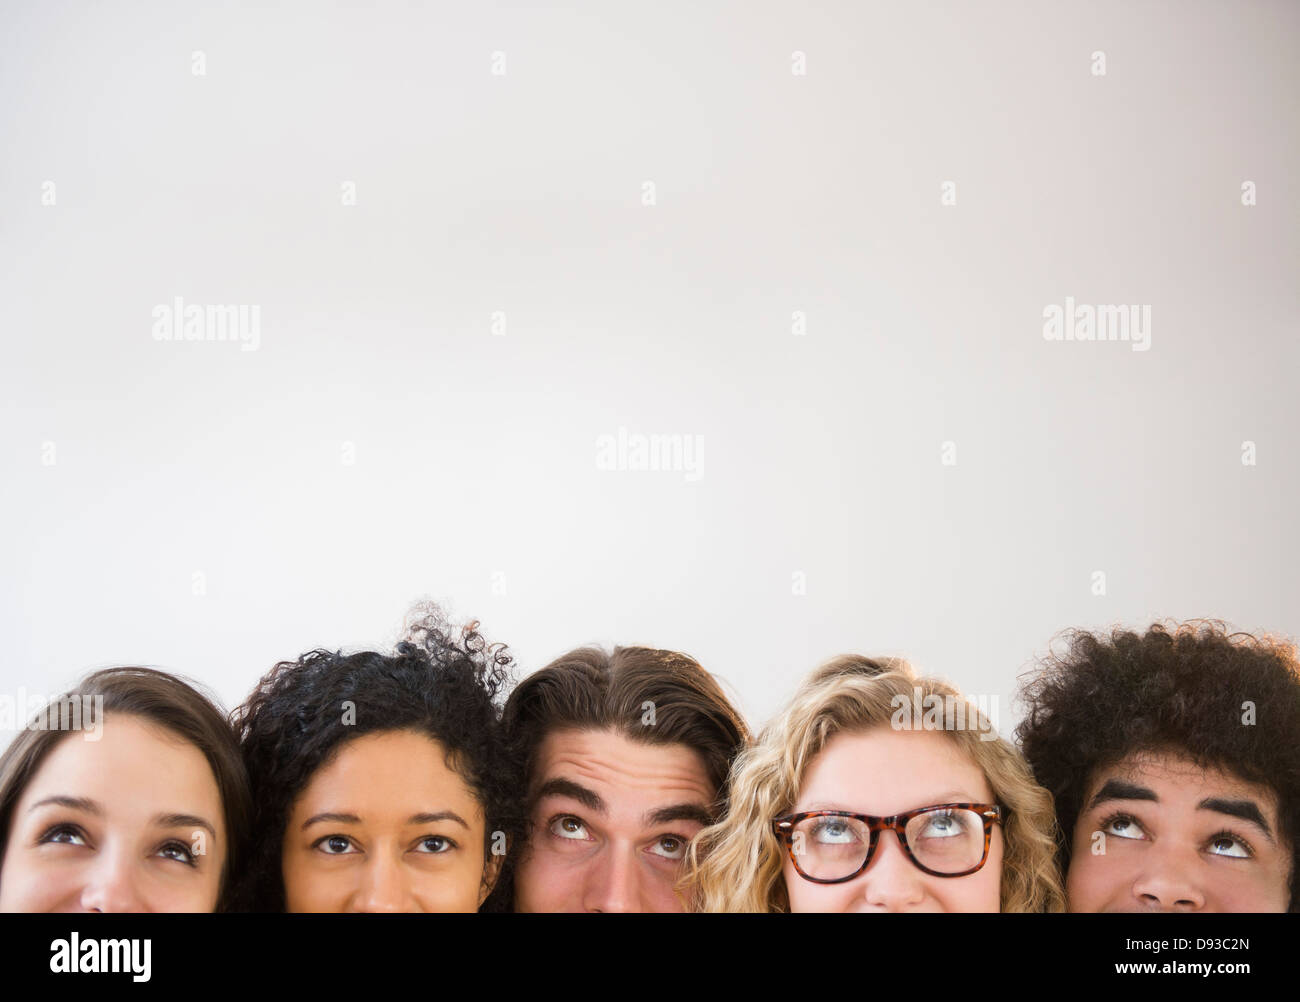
(607, 762)
(1160, 769)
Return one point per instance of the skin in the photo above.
(611, 821)
(1174, 841)
(129, 823)
(884, 772)
(387, 826)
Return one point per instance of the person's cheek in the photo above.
(41, 889)
(993, 879)
(1269, 892)
(665, 894)
(793, 892)
(1078, 885)
(464, 888)
(209, 891)
(531, 880)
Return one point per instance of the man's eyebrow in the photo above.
(433, 817)
(1247, 810)
(678, 812)
(337, 816)
(184, 821)
(1119, 789)
(589, 799)
(74, 803)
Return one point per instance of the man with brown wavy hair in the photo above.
(626, 756)
(1174, 762)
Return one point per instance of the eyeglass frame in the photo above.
(897, 823)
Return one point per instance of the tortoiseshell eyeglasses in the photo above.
(830, 847)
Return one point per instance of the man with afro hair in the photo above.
(1174, 760)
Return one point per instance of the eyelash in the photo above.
(60, 829)
(189, 859)
(1224, 834)
(326, 838)
(1109, 820)
(682, 840)
(451, 844)
(550, 826)
(1250, 849)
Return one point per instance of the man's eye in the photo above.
(178, 851)
(670, 847)
(436, 844)
(569, 827)
(1123, 826)
(335, 845)
(65, 835)
(1228, 844)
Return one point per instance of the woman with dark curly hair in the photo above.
(381, 781)
(1174, 761)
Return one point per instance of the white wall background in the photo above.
(475, 453)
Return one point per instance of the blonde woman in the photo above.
(878, 790)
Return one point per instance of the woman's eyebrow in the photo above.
(73, 803)
(1246, 810)
(951, 797)
(184, 821)
(338, 817)
(433, 817)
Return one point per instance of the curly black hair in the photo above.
(1103, 698)
(447, 688)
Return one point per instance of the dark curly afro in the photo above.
(435, 683)
(1103, 698)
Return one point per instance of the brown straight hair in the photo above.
(161, 699)
(590, 689)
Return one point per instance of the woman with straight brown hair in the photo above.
(127, 794)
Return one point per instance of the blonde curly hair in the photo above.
(735, 865)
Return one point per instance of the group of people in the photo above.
(1152, 771)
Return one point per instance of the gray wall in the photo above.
(420, 409)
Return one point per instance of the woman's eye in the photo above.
(65, 835)
(833, 832)
(1123, 826)
(178, 851)
(436, 844)
(335, 845)
(941, 826)
(670, 847)
(1227, 844)
(569, 827)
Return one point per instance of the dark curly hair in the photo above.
(1103, 698)
(449, 689)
